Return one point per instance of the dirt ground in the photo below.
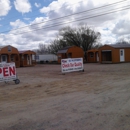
(97, 99)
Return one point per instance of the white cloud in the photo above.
(22, 6)
(4, 7)
(17, 24)
(112, 27)
(37, 5)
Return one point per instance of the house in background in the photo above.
(9, 54)
(114, 53)
(92, 56)
(70, 52)
(27, 58)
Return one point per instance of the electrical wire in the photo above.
(73, 21)
(66, 16)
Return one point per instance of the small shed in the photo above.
(92, 56)
(114, 53)
(70, 52)
(9, 54)
(27, 58)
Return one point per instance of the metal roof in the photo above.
(26, 52)
(120, 45)
(64, 50)
(23, 51)
(93, 50)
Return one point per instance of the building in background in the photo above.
(114, 53)
(27, 58)
(70, 52)
(92, 56)
(9, 54)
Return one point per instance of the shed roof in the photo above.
(64, 50)
(2, 47)
(25, 51)
(93, 50)
(120, 45)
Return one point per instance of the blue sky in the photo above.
(27, 23)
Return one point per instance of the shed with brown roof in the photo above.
(92, 56)
(114, 53)
(9, 54)
(70, 52)
(27, 58)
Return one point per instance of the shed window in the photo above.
(12, 58)
(121, 53)
(91, 54)
(69, 55)
(9, 48)
(59, 56)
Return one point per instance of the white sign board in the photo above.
(7, 72)
(71, 64)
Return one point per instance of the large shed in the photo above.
(92, 56)
(27, 58)
(70, 52)
(114, 53)
(9, 54)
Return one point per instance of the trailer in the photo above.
(46, 58)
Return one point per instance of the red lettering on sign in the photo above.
(5, 71)
(12, 70)
(0, 70)
(78, 64)
(65, 65)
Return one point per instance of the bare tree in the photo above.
(82, 36)
(42, 49)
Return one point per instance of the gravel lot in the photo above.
(97, 99)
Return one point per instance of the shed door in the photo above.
(28, 59)
(3, 58)
(122, 55)
(97, 57)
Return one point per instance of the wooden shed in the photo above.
(9, 54)
(92, 56)
(70, 52)
(27, 58)
(114, 53)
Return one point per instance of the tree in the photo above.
(56, 45)
(83, 36)
(42, 49)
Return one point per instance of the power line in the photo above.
(35, 11)
(73, 21)
(67, 16)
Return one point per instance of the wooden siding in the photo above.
(115, 53)
(72, 52)
(11, 53)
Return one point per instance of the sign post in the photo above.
(72, 64)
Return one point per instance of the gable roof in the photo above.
(2, 47)
(64, 50)
(120, 45)
(26, 51)
(93, 50)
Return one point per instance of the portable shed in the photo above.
(9, 54)
(92, 56)
(27, 58)
(114, 53)
(70, 52)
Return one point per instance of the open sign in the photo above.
(7, 71)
